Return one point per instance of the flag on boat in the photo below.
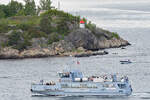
(78, 62)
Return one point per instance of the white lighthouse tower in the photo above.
(82, 24)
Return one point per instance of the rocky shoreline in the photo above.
(9, 53)
(59, 49)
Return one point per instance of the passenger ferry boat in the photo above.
(72, 83)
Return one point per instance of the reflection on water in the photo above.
(82, 98)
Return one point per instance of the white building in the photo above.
(41, 12)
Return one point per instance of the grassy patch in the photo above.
(34, 20)
(115, 35)
(3, 25)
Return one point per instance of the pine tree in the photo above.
(45, 5)
(14, 7)
(2, 14)
(30, 7)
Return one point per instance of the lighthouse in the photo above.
(82, 24)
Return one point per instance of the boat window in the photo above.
(109, 85)
(64, 85)
(121, 86)
(64, 75)
(79, 73)
(83, 85)
(74, 85)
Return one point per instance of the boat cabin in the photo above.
(77, 76)
(71, 76)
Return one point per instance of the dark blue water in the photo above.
(130, 18)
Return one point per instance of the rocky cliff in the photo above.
(90, 41)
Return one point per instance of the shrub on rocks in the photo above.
(3, 26)
(46, 24)
(33, 33)
(115, 35)
(24, 26)
(53, 37)
(18, 40)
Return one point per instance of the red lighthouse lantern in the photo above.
(82, 24)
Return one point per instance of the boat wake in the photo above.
(142, 95)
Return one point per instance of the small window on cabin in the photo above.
(106, 85)
(64, 85)
(121, 86)
(109, 85)
(83, 85)
(64, 75)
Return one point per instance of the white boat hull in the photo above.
(103, 94)
(82, 92)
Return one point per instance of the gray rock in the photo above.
(39, 42)
(61, 46)
(102, 34)
(72, 26)
(94, 40)
(87, 54)
(82, 38)
(12, 26)
(11, 31)
(9, 53)
(8, 33)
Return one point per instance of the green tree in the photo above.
(14, 38)
(11, 9)
(14, 7)
(21, 13)
(19, 40)
(2, 14)
(53, 37)
(62, 27)
(45, 5)
(4, 9)
(30, 7)
(46, 24)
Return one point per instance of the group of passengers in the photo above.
(113, 78)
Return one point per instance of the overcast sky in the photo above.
(78, 4)
(63, 3)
